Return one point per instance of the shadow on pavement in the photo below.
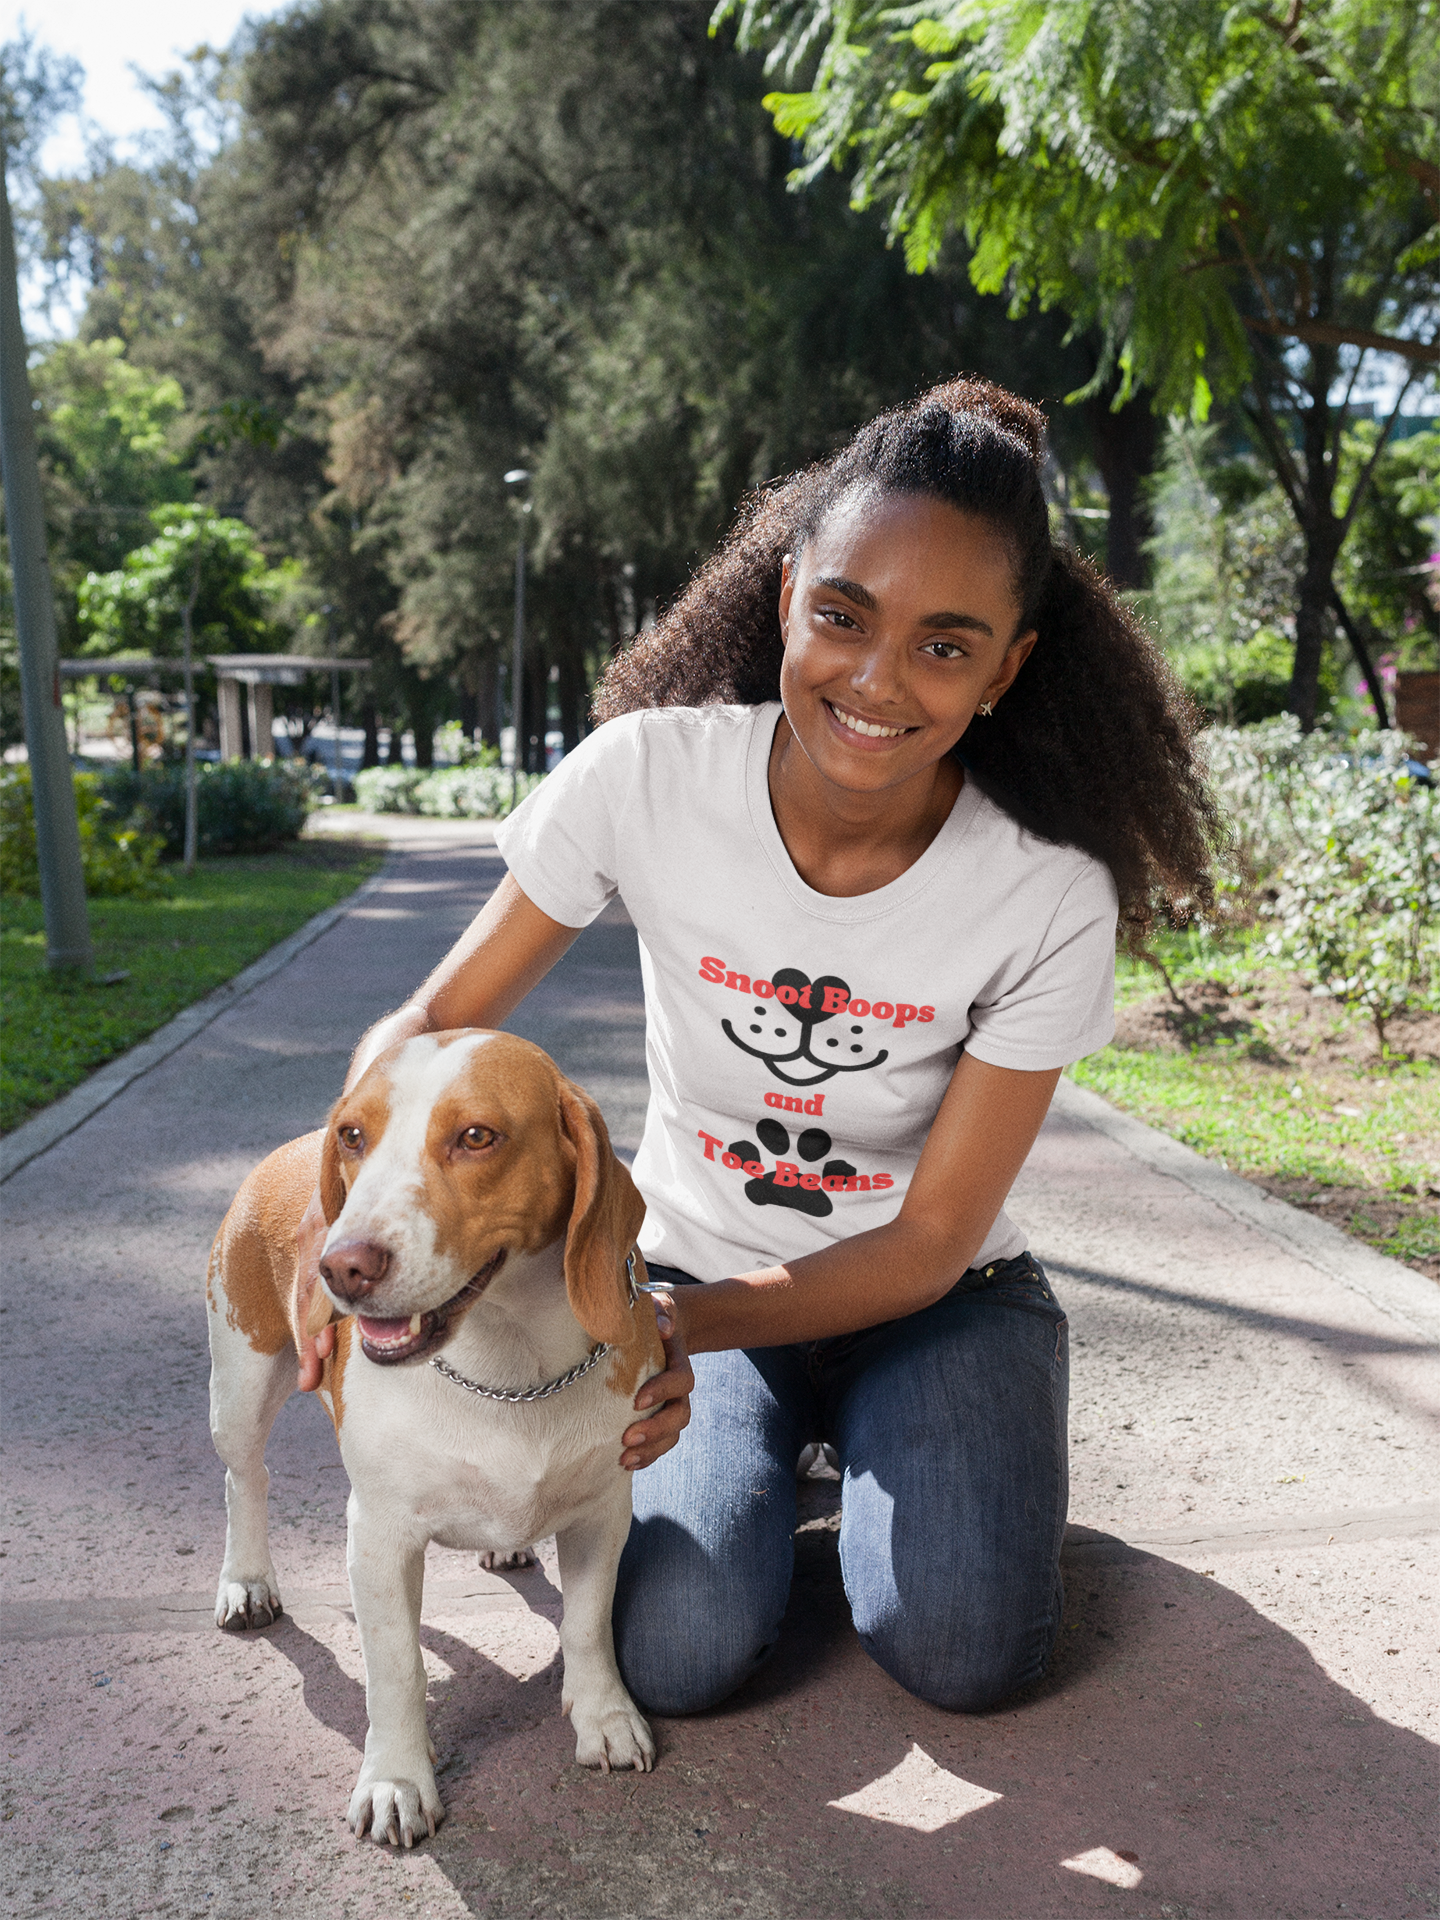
(1184, 1754)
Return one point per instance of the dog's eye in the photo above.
(351, 1139)
(478, 1138)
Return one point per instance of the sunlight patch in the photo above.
(918, 1794)
(1101, 1863)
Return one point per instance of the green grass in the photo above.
(1251, 1119)
(1263, 1100)
(53, 1032)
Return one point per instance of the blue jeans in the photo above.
(950, 1427)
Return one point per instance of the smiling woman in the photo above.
(901, 760)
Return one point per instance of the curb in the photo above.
(1396, 1290)
(35, 1136)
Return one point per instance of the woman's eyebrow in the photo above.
(862, 597)
(971, 622)
(851, 589)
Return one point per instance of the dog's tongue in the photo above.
(390, 1333)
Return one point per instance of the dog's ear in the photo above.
(604, 1220)
(332, 1185)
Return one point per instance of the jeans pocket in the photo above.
(1021, 1282)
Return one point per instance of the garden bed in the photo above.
(1288, 1089)
(170, 951)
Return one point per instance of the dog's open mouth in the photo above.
(387, 1342)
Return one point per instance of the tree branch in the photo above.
(1281, 459)
(1362, 656)
(1367, 473)
(1319, 333)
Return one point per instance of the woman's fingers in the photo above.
(664, 1399)
(313, 1355)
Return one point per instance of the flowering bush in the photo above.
(1342, 845)
(475, 792)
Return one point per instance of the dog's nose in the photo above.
(355, 1268)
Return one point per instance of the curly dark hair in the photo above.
(1093, 745)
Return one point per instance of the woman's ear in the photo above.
(1016, 654)
(787, 588)
(605, 1217)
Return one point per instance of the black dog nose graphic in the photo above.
(355, 1268)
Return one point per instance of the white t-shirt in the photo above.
(798, 1045)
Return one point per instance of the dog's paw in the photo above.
(493, 1562)
(613, 1737)
(399, 1812)
(247, 1600)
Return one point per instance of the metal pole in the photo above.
(335, 716)
(192, 796)
(517, 667)
(52, 785)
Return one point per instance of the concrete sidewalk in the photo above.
(1241, 1720)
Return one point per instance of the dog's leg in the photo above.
(247, 1390)
(609, 1728)
(395, 1797)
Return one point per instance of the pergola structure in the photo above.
(258, 673)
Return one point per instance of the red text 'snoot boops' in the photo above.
(833, 999)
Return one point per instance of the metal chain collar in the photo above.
(514, 1398)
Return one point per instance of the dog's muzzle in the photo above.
(388, 1342)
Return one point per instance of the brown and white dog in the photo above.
(474, 1205)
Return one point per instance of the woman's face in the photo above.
(899, 621)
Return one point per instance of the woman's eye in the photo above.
(351, 1139)
(477, 1138)
(945, 650)
(836, 618)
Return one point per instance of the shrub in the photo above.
(117, 853)
(1339, 845)
(244, 806)
(475, 792)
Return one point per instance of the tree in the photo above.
(109, 452)
(1241, 198)
(138, 608)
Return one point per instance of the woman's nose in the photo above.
(877, 675)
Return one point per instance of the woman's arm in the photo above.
(986, 1125)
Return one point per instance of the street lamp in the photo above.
(517, 477)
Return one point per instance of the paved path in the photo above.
(1241, 1720)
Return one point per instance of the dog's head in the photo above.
(452, 1153)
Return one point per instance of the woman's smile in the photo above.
(873, 733)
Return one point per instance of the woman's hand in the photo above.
(665, 1397)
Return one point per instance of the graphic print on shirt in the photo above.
(787, 1184)
(783, 1187)
(781, 1033)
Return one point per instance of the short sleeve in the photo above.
(1062, 1005)
(561, 843)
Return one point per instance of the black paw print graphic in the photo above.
(812, 1145)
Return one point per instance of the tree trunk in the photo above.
(422, 723)
(370, 720)
(1312, 631)
(1125, 444)
(395, 746)
(1323, 537)
(572, 691)
(487, 700)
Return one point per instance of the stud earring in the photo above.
(986, 708)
